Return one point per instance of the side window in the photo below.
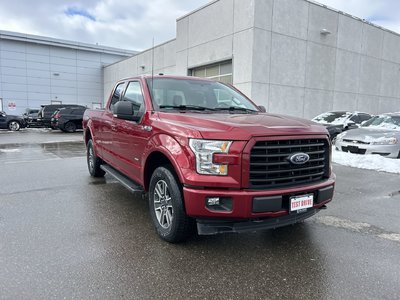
(355, 119)
(116, 95)
(364, 117)
(134, 94)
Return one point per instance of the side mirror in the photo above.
(262, 108)
(3, 114)
(124, 110)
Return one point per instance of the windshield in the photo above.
(383, 122)
(334, 118)
(170, 94)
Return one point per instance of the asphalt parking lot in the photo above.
(66, 235)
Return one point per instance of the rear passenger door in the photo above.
(130, 138)
(104, 126)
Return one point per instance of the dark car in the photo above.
(10, 122)
(338, 121)
(46, 112)
(31, 117)
(68, 119)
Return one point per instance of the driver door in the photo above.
(130, 138)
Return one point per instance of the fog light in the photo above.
(213, 201)
(224, 204)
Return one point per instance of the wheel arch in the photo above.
(156, 159)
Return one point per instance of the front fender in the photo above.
(177, 154)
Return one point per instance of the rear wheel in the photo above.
(14, 126)
(93, 161)
(70, 127)
(166, 206)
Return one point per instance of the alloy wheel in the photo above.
(14, 126)
(163, 204)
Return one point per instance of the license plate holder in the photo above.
(299, 204)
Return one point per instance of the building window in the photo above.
(218, 72)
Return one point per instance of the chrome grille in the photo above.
(270, 166)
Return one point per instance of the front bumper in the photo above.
(210, 227)
(391, 151)
(269, 206)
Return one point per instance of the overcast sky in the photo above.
(131, 24)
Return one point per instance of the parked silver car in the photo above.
(379, 135)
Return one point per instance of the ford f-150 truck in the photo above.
(204, 154)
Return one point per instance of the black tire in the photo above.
(70, 127)
(14, 125)
(93, 161)
(168, 215)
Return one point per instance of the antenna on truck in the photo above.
(152, 68)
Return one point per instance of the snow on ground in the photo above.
(369, 161)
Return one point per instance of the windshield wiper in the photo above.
(186, 107)
(236, 108)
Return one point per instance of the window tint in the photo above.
(355, 119)
(364, 117)
(209, 94)
(134, 94)
(116, 95)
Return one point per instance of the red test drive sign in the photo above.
(12, 105)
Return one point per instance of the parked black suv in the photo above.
(68, 119)
(10, 122)
(46, 112)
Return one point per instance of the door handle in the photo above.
(147, 128)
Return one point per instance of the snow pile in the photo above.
(368, 161)
(332, 118)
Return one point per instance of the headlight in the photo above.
(204, 151)
(340, 136)
(385, 141)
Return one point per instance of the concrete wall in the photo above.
(281, 59)
(355, 67)
(34, 74)
(164, 62)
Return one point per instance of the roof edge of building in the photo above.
(141, 52)
(37, 39)
(315, 2)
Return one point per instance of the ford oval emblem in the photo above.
(299, 158)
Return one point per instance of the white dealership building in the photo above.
(296, 57)
(37, 70)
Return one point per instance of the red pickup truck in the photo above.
(205, 155)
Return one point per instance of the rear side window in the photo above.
(116, 95)
(78, 111)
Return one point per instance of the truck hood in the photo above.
(242, 126)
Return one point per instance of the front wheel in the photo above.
(166, 206)
(14, 126)
(93, 161)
